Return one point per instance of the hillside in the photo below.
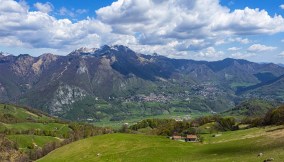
(273, 89)
(251, 108)
(242, 145)
(113, 83)
(23, 129)
(27, 134)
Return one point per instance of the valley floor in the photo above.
(238, 146)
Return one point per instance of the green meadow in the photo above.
(26, 141)
(238, 146)
(62, 128)
(21, 113)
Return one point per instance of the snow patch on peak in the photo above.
(115, 48)
(4, 54)
(83, 51)
(119, 48)
(103, 50)
(87, 50)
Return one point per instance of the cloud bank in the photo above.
(45, 8)
(255, 48)
(176, 28)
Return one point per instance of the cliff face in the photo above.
(63, 97)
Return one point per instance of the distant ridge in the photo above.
(115, 82)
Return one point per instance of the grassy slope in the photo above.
(26, 140)
(22, 113)
(62, 128)
(40, 122)
(243, 145)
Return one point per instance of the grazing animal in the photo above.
(267, 160)
(260, 154)
(98, 154)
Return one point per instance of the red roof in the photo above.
(191, 136)
(176, 137)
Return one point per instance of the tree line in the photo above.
(272, 117)
(79, 131)
(169, 127)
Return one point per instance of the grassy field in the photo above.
(22, 113)
(59, 128)
(24, 141)
(19, 119)
(41, 126)
(238, 146)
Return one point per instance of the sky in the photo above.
(189, 29)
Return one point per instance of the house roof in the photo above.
(191, 136)
(176, 137)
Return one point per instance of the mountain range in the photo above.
(114, 83)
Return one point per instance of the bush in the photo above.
(226, 124)
(274, 116)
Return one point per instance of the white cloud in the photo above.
(281, 54)
(282, 40)
(239, 55)
(210, 52)
(44, 7)
(240, 40)
(250, 21)
(282, 6)
(156, 22)
(65, 12)
(260, 48)
(175, 28)
(234, 49)
(82, 11)
(36, 29)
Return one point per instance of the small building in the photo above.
(176, 137)
(191, 138)
(90, 119)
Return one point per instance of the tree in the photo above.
(225, 124)
(124, 128)
(274, 116)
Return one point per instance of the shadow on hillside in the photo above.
(272, 130)
(243, 147)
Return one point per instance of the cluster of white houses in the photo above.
(188, 138)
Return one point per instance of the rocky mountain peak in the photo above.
(24, 55)
(59, 82)
(83, 51)
(3, 54)
(102, 51)
(120, 48)
(113, 50)
(115, 47)
(48, 57)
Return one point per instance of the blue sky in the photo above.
(271, 6)
(191, 29)
(90, 6)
